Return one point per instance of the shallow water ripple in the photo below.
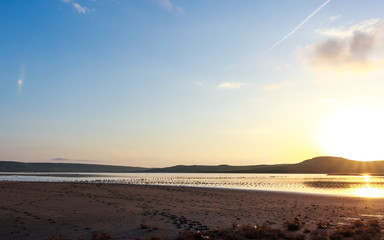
(362, 186)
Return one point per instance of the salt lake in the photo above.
(361, 186)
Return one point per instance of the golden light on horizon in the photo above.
(354, 133)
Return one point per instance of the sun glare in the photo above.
(355, 134)
(369, 192)
(367, 178)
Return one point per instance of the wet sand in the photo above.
(40, 210)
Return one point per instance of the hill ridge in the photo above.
(322, 164)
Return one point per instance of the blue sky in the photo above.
(165, 82)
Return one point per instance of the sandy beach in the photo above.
(40, 210)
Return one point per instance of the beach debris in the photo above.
(323, 225)
(293, 225)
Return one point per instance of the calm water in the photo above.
(363, 186)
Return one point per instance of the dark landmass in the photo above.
(326, 165)
(7, 166)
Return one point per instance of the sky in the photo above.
(157, 83)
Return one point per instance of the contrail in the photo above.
(297, 27)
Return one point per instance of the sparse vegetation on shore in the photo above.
(356, 230)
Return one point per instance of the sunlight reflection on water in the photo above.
(360, 186)
(368, 191)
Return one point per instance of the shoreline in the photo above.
(112, 182)
(38, 210)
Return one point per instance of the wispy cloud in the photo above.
(167, 4)
(78, 7)
(59, 159)
(335, 18)
(359, 47)
(231, 85)
(297, 27)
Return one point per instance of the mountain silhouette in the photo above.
(325, 165)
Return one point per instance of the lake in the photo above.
(361, 186)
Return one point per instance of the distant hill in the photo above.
(222, 169)
(315, 165)
(64, 167)
(338, 165)
(327, 165)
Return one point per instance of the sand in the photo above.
(40, 210)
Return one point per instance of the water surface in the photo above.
(362, 186)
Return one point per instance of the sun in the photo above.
(356, 133)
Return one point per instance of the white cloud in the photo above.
(367, 26)
(231, 85)
(359, 47)
(80, 9)
(167, 4)
(335, 18)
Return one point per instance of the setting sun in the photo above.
(354, 133)
(175, 119)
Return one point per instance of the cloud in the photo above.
(59, 159)
(167, 4)
(359, 47)
(297, 27)
(78, 7)
(231, 85)
(367, 26)
(335, 18)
